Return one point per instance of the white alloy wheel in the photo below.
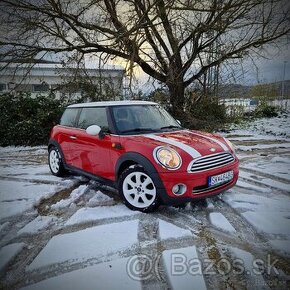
(54, 161)
(139, 189)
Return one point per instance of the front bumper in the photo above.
(196, 184)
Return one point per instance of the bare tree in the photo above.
(175, 42)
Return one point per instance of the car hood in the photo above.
(195, 143)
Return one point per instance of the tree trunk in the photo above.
(177, 99)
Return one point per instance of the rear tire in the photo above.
(55, 162)
(138, 190)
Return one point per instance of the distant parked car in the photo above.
(139, 148)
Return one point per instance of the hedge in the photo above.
(26, 120)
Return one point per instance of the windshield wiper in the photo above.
(139, 130)
(171, 127)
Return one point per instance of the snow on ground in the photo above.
(252, 187)
(99, 199)
(262, 146)
(277, 166)
(219, 221)
(19, 197)
(249, 265)
(23, 149)
(269, 222)
(38, 224)
(109, 275)
(83, 245)
(180, 276)
(282, 246)
(74, 196)
(277, 126)
(3, 226)
(32, 172)
(169, 231)
(8, 253)
(88, 214)
(70, 233)
(266, 181)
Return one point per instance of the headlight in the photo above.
(230, 144)
(167, 157)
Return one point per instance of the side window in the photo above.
(93, 116)
(69, 117)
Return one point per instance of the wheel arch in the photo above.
(131, 158)
(53, 143)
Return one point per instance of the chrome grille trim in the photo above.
(210, 162)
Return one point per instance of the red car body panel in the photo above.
(100, 156)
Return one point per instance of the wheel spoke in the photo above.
(130, 191)
(146, 182)
(138, 178)
(150, 191)
(131, 183)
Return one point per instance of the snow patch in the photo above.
(268, 222)
(219, 221)
(170, 231)
(74, 196)
(87, 244)
(110, 275)
(262, 146)
(3, 226)
(92, 214)
(99, 199)
(248, 265)
(38, 224)
(281, 246)
(8, 253)
(19, 197)
(176, 265)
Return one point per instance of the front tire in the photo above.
(138, 190)
(55, 162)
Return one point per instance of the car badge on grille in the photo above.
(212, 150)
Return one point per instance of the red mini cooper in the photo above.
(137, 147)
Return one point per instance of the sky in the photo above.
(264, 70)
(270, 69)
(267, 69)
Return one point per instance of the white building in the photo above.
(42, 78)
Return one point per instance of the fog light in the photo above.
(179, 189)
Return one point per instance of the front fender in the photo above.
(135, 158)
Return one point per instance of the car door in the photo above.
(66, 134)
(92, 153)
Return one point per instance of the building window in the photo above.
(2, 87)
(44, 87)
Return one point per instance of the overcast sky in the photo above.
(270, 69)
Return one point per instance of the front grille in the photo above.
(211, 161)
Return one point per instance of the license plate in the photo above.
(220, 178)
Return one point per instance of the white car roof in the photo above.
(111, 103)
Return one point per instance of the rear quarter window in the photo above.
(69, 117)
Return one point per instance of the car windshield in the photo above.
(137, 119)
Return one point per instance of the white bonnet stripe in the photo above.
(224, 147)
(191, 151)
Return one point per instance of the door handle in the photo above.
(73, 137)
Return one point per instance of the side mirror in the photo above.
(178, 122)
(95, 130)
